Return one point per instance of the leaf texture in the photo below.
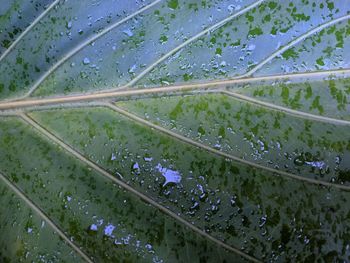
(172, 130)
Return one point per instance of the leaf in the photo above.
(190, 131)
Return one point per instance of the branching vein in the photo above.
(84, 44)
(68, 148)
(221, 153)
(5, 105)
(192, 39)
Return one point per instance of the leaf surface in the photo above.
(181, 131)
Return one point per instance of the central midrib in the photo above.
(216, 85)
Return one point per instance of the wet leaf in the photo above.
(173, 130)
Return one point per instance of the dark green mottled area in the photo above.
(271, 215)
(173, 4)
(109, 223)
(290, 53)
(256, 31)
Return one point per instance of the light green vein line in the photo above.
(25, 32)
(68, 148)
(289, 111)
(221, 153)
(33, 206)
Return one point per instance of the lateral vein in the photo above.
(25, 32)
(101, 171)
(293, 43)
(221, 153)
(33, 206)
(275, 107)
(84, 44)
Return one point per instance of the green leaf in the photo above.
(180, 131)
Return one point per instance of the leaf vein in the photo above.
(58, 141)
(5, 105)
(25, 32)
(293, 43)
(287, 110)
(84, 44)
(221, 153)
(33, 206)
(190, 40)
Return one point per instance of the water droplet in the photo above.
(251, 47)
(231, 8)
(299, 161)
(262, 221)
(214, 209)
(233, 201)
(136, 168)
(69, 25)
(217, 146)
(117, 242)
(128, 32)
(195, 206)
(149, 247)
(171, 176)
(223, 64)
(337, 160)
(113, 157)
(132, 69)
(93, 227)
(86, 61)
(126, 240)
(108, 231)
(318, 164)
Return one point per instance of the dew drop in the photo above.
(171, 176)
(317, 164)
(69, 25)
(148, 159)
(86, 61)
(108, 231)
(128, 32)
(299, 161)
(113, 157)
(93, 227)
